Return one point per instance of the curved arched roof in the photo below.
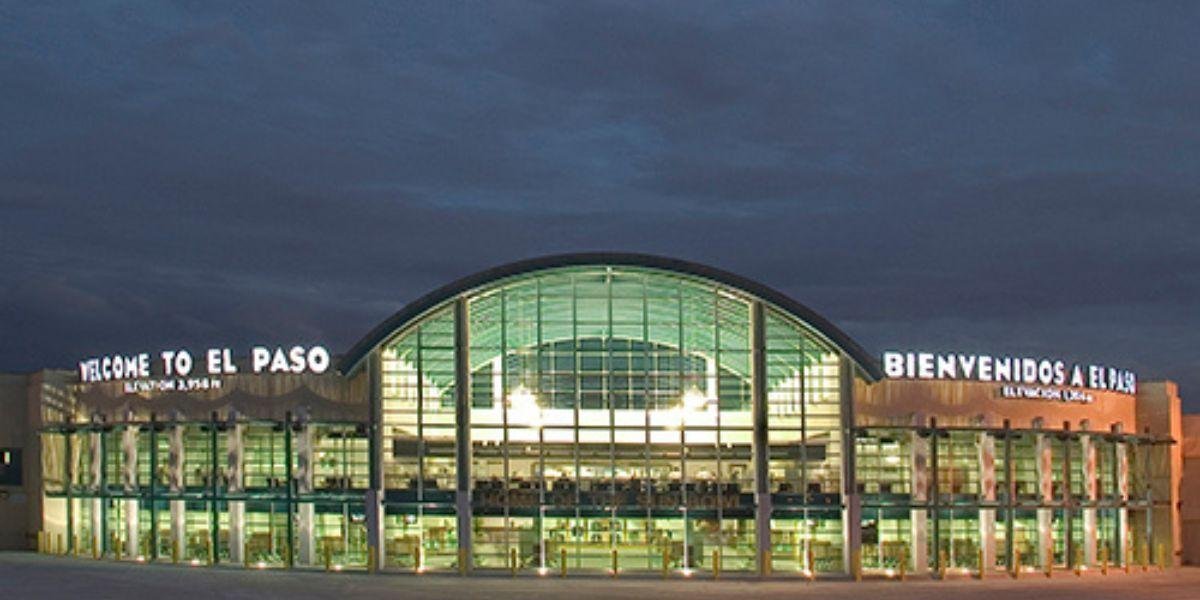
(352, 359)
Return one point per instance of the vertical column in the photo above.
(758, 398)
(987, 500)
(1091, 494)
(462, 413)
(1124, 543)
(175, 483)
(852, 501)
(234, 459)
(1010, 487)
(935, 504)
(289, 560)
(1045, 515)
(97, 488)
(1067, 499)
(129, 482)
(152, 544)
(373, 503)
(305, 512)
(71, 460)
(919, 512)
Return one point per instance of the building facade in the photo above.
(604, 411)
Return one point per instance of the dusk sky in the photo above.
(979, 177)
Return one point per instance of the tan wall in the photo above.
(325, 397)
(1189, 489)
(16, 502)
(969, 403)
(1159, 414)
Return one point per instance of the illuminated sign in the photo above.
(1009, 369)
(214, 361)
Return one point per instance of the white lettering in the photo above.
(893, 365)
(925, 362)
(318, 359)
(259, 359)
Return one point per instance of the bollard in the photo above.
(856, 564)
(209, 553)
(1104, 559)
(942, 559)
(1078, 562)
(61, 548)
(372, 561)
(562, 561)
(982, 567)
(716, 564)
(1146, 557)
(666, 561)
(95, 549)
(418, 559)
(1048, 563)
(116, 539)
(174, 553)
(1015, 568)
(40, 543)
(1128, 558)
(614, 563)
(462, 561)
(512, 561)
(812, 564)
(903, 563)
(764, 564)
(328, 553)
(1162, 557)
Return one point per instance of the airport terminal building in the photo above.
(593, 412)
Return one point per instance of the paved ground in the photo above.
(28, 575)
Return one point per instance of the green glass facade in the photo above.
(596, 415)
(611, 409)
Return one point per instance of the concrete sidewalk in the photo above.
(28, 575)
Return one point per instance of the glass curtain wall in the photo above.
(101, 505)
(610, 420)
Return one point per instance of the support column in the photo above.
(852, 501)
(373, 502)
(462, 412)
(1045, 515)
(1091, 494)
(987, 500)
(1124, 543)
(305, 512)
(175, 470)
(758, 407)
(919, 512)
(237, 508)
(935, 503)
(152, 544)
(1010, 512)
(1067, 499)
(96, 485)
(129, 482)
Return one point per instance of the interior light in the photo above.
(523, 407)
(694, 400)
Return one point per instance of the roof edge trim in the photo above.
(353, 359)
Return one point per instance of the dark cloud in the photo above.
(973, 176)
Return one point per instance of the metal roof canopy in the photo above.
(353, 359)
